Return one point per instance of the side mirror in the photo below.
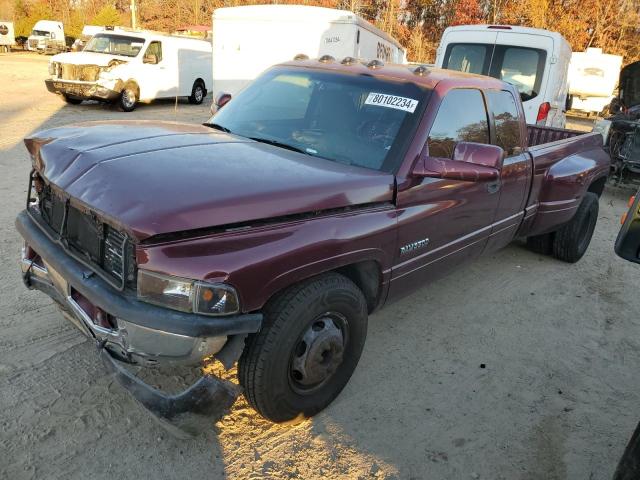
(150, 58)
(628, 241)
(220, 101)
(615, 106)
(471, 162)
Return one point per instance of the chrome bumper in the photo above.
(127, 341)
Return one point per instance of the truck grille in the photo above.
(85, 73)
(106, 250)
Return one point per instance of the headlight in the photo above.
(187, 295)
(53, 68)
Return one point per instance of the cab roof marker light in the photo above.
(420, 70)
(301, 56)
(373, 64)
(348, 61)
(500, 27)
(326, 59)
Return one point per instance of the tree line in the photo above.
(613, 25)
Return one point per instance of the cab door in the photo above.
(517, 166)
(442, 222)
(158, 78)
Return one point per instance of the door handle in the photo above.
(493, 187)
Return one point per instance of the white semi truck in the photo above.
(47, 36)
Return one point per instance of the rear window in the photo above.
(522, 67)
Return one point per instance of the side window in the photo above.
(155, 48)
(505, 114)
(462, 117)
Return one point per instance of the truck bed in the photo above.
(539, 135)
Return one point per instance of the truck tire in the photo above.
(128, 98)
(198, 92)
(307, 349)
(571, 241)
(72, 100)
(542, 244)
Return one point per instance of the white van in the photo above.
(248, 40)
(128, 66)
(47, 36)
(535, 61)
(593, 77)
(7, 38)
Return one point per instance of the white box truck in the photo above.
(128, 66)
(593, 77)
(535, 61)
(47, 36)
(247, 40)
(7, 37)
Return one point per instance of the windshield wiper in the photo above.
(217, 126)
(277, 143)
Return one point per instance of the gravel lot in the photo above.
(558, 397)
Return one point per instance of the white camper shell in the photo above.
(128, 66)
(47, 36)
(247, 40)
(535, 61)
(7, 37)
(593, 77)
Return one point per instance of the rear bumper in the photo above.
(84, 90)
(145, 333)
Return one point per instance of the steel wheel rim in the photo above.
(318, 353)
(199, 94)
(128, 98)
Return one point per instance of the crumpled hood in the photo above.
(88, 58)
(163, 177)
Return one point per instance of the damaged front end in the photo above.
(87, 266)
(87, 82)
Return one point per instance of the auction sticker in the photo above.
(391, 101)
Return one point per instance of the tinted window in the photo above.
(353, 119)
(462, 117)
(520, 66)
(468, 58)
(155, 48)
(505, 114)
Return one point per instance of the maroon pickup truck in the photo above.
(320, 193)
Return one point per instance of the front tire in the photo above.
(72, 100)
(307, 349)
(198, 92)
(572, 240)
(128, 98)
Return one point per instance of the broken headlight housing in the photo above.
(187, 295)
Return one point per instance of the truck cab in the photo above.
(535, 61)
(47, 36)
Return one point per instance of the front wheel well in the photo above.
(367, 276)
(597, 186)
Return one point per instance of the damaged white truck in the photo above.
(127, 67)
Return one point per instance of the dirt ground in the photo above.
(515, 367)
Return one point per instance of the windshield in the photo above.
(352, 119)
(115, 45)
(522, 67)
(40, 33)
